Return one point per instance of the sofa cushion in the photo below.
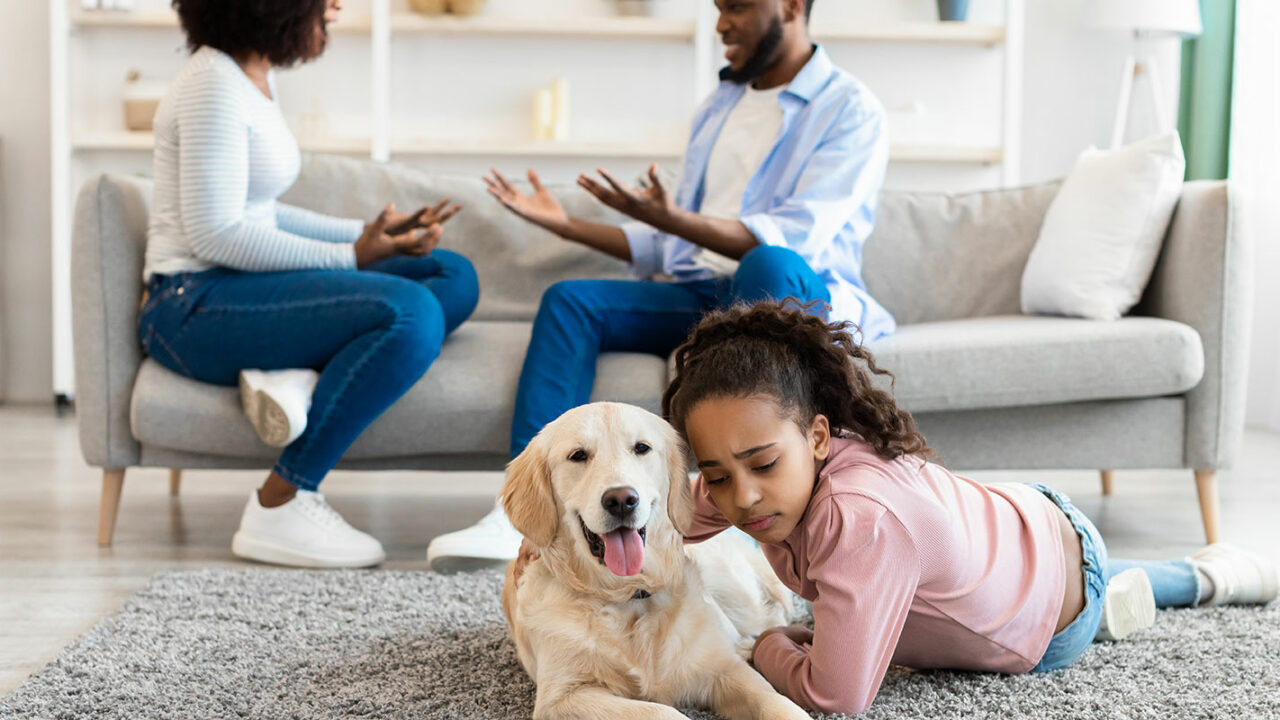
(1011, 361)
(1103, 232)
(462, 406)
(937, 256)
(516, 261)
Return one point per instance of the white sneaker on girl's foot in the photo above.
(1239, 576)
(1129, 605)
(304, 532)
(277, 402)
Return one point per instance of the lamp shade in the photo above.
(1172, 17)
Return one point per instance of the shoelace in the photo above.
(315, 507)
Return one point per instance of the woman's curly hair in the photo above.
(808, 365)
(283, 31)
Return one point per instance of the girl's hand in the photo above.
(376, 244)
(798, 634)
(398, 223)
(541, 208)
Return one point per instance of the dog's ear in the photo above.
(679, 496)
(527, 497)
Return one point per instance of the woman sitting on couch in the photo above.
(287, 302)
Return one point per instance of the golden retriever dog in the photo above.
(609, 615)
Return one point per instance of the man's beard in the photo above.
(764, 58)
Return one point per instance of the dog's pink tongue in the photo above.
(623, 551)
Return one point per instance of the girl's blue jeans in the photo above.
(1175, 582)
(579, 319)
(371, 334)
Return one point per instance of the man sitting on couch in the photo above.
(778, 195)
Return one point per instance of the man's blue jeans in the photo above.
(1174, 582)
(579, 319)
(371, 334)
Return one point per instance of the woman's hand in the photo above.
(376, 244)
(541, 208)
(651, 205)
(399, 223)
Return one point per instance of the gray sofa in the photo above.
(991, 388)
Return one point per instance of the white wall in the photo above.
(1071, 79)
(1255, 163)
(25, 277)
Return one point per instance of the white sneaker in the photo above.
(304, 532)
(490, 542)
(1129, 605)
(1239, 576)
(277, 402)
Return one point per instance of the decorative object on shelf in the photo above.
(953, 10)
(107, 4)
(140, 102)
(551, 112)
(466, 7)
(640, 8)
(1150, 21)
(440, 7)
(429, 7)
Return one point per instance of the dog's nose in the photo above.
(620, 502)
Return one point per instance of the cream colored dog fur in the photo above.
(603, 645)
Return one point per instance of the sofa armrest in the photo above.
(107, 248)
(1203, 279)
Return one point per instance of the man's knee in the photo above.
(774, 272)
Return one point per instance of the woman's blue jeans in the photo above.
(579, 319)
(1175, 582)
(371, 334)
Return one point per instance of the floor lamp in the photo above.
(1147, 20)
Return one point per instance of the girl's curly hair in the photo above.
(283, 31)
(808, 365)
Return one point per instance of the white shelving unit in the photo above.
(386, 38)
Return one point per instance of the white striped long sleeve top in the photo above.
(223, 154)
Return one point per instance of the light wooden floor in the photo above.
(55, 583)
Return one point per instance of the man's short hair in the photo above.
(808, 8)
(283, 31)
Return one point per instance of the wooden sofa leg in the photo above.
(175, 480)
(1207, 489)
(1107, 477)
(112, 484)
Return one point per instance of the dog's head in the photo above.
(600, 485)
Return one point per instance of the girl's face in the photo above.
(758, 464)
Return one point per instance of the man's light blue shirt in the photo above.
(815, 193)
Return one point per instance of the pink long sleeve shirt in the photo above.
(907, 563)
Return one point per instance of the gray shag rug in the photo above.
(290, 644)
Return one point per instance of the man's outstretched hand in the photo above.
(651, 205)
(541, 208)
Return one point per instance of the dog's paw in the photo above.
(745, 647)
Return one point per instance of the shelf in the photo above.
(124, 140)
(949, 154)
(538, 149)
(134, 141)
(167, 19)
(411, 23)
(602, 27)
(958, 33)
(953, 33)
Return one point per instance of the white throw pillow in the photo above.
(1103, 231)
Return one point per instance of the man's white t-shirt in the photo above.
(744, 143)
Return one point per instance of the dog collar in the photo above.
(642, 595)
